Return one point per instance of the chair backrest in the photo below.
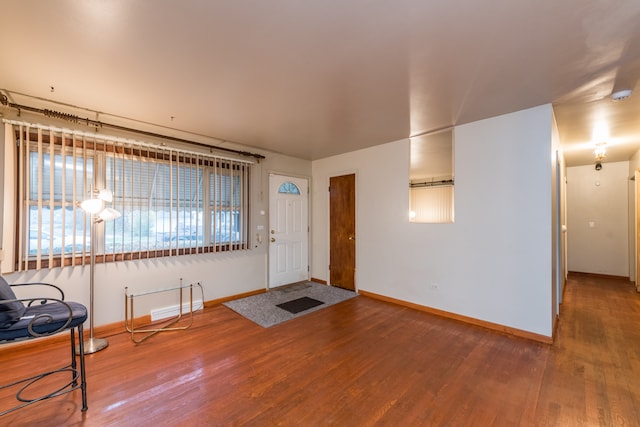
(10, 311)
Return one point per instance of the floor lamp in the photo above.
(99, 213)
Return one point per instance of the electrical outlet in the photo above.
(435, 286)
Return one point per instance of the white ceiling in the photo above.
(316, 78)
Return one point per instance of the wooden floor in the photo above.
(362, 362)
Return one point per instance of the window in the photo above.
(172, 202)
(431, 178)
(288, 188)
(51, 203)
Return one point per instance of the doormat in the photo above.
(300, 304)
(263, 308)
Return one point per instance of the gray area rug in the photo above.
(262, 308)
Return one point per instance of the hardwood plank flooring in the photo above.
(362, 362)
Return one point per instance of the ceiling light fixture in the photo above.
(600, 152)
(621, 94)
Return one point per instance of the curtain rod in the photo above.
(445, 182)
(98, 124)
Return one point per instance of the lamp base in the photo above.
(93, 345)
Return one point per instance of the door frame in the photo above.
(636, 227)
(268, 236)
(328, 223)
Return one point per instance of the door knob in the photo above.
(352, 237)
(273, 239)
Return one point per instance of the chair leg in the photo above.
(83, 375)
(73, 357)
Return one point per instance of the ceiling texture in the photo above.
(311, 79)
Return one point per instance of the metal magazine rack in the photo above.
(167, 324)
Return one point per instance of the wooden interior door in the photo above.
(342, 231)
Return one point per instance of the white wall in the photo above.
(222, 274)
(597, 209)
(493, 263)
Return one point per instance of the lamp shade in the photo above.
(106, 195)
(92, 205)
(107, 214)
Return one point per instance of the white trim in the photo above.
(7, 252)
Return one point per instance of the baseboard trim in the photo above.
(598, 275)
(322, 282)
(556, 323)
(470, 320)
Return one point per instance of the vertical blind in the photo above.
(172, 202)
(432, 204)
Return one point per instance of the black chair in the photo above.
(29, 318)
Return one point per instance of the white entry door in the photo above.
(288, 230)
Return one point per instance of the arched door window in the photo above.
(288, 188)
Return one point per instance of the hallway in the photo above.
(593, 372)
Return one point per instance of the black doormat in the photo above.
(300, 304)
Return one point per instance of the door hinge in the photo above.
(329, 189)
